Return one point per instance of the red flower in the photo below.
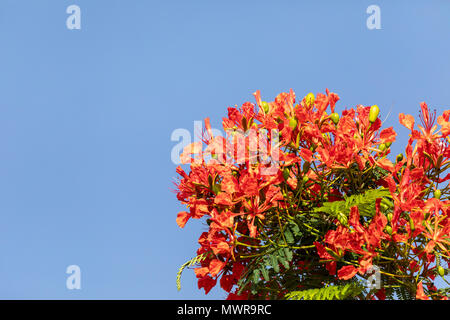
(251, 188)
(419, 293)
(407, 120)
(347, 272)
(206, 283)
(182, 218)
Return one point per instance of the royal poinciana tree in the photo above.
(301, 202)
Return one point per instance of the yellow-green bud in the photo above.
(373, 114)
(411, 224)
(388, 229)
(437, 194)
(293, 123)
(441, 271)
(286, 173)
(310, 98)
(334, 117)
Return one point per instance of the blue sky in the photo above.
(86, 118)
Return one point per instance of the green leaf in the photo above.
(288, 253)
(336, 292)
(265, 273)
(288, 235)
(283, 262)
(295, 229)
(274, 263)
(256, 275)
(190, 263)
(364, 201)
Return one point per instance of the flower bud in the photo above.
(437, 194)
(441, 271)
(373, 114)
(334, 117)
(293, 123)
(389, 216)
(310, 98)
(265, 106)
(382, 147)
(411, 224)
(399, 157)
(388, 230)
(286, 173)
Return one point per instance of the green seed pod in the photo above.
(382, 147)
(441, 271)
(373, 114)
(411, 224)
(389, 216)
(388, 230)
(399, 157)
(310, 98)
(335, 118)
(265, 106)
(305, 179)
(286, 173)
(437, 194)
(293, 123)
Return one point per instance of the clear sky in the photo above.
(86, 118)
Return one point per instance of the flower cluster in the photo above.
(298, 196)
